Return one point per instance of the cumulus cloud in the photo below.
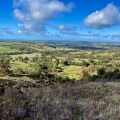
(6, 31)
(66, 28)
(107, 17)
(114, 36)
(33, 15)
(76, 33)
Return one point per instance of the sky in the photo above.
(86, 20)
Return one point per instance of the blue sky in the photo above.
(60, 19)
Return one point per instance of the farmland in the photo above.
(73, 80)
(77, 60)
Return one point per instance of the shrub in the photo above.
(78, 114)
(100, 71)
(86, 64)
(66, 62)
(2, 90)
(18, 71)
(2, 74)
(89, 78)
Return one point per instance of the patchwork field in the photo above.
(23, 55)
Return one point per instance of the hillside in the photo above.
(68, 81)
(63, 101)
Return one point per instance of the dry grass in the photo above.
(25, 100)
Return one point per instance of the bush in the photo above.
(18, 71)
(89, 78)
(112, 74)
(2, 90)
(66, 63)
(101, 71)
(86, 64)
(2, 74)
(78, 114)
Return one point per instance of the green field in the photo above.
(19, 64)
(72, 72)
(26, 55)
(7, 50)
(109, 59)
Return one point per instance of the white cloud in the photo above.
(6, 31)
(33, 15)
(66, 28)
(107, 17)
(19, 15)
(61, 27)
(76, 33)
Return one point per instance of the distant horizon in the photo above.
(27, 40)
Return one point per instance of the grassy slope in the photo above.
(7, 50)
(71, 71)
(69, 101)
